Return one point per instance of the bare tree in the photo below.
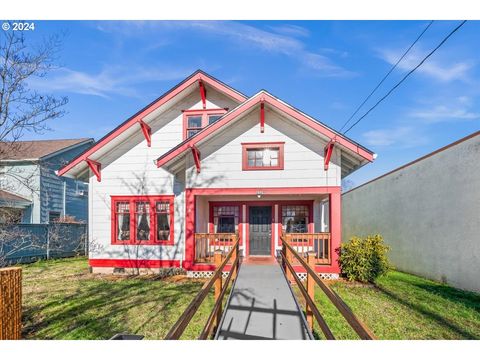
(23, 109)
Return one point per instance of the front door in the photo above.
(260, 230)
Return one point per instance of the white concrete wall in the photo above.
(130, 170)
(221, 158)
(428, 212)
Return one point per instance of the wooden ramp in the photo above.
(262, 306)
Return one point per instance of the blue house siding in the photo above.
(62, 194)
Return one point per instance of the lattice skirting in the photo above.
(323, 276)
(204, 274)
(302, 276)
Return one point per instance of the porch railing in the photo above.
(207, 243)
(319, 243)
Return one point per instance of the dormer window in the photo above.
(262, 156)
(196, 120)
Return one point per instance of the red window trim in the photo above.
(153, 219)
(237, 204)
(310, 225)
(248, 146)
(204, 113)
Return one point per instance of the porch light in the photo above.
(259, 194)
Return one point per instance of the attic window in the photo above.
(262, 156)
(195, 120)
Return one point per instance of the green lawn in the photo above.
(403, 306)
(61, 300)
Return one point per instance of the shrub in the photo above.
(364, 259)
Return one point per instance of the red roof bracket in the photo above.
(203, 93)
(327, 154)
(96, 168)
(147, 132)
(196, 157)
(262, 116)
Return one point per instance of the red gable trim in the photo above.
(197, 76)
(267, 98)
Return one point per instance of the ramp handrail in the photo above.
(220, 290)
(287, 251)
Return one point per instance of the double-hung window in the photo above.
(195, 120)
(262, 156)
(142, 220)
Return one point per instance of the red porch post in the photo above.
(335, 207)
(190, 214)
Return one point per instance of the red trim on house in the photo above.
(262, 145)
(309, 203)
(235, 114)
(203, 93)
(147, 132)
(190, 214)
(96, 168)
(205, 114)
(309, 190)
(151, 199)
(327, 154)
(196, 157)
(262, 116)
(335, 209)
(133, 263)
(169, 95)
(238, 204)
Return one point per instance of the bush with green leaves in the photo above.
(364, 259)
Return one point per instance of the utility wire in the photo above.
(385, 77)
(407, 75)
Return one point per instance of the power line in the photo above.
(407, 75)
(386, 75)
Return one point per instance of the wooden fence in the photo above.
(10, 303)
(288, 254)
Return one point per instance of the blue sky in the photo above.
(111, 69)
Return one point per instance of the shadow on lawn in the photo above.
(466, 298)
(70, 318)
(427, 313)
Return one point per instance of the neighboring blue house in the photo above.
(30, 192)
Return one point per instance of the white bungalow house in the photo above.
(204, 162)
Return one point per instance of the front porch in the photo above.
(308, 218)
(320, 243)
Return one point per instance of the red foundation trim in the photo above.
(133, 263)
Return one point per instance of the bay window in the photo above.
(142, 220)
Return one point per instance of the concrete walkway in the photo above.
(262, 307)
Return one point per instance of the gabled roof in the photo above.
(38, 149)
(329, 134)
(198, 75)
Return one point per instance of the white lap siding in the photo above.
(130, 170)
(221, 158)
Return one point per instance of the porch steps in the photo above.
(262, 306)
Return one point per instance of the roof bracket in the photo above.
(203, 93)
(327, 154)
(96, 168)
(196, 157)
(147, 132)
(262, 116)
